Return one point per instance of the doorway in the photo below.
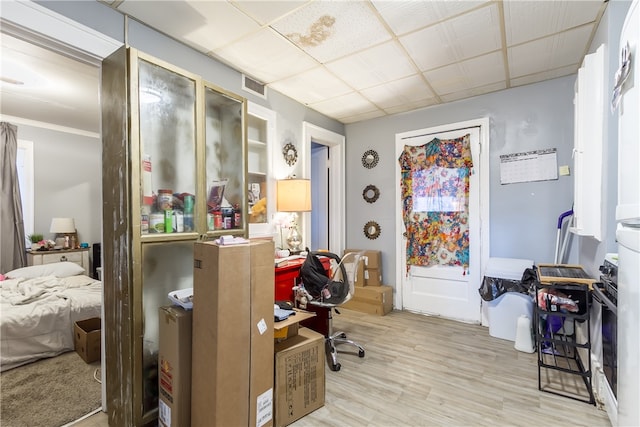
(331, 215)
(448, 288)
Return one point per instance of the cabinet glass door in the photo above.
(224, 161)
(167, 108)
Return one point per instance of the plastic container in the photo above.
(165, 200)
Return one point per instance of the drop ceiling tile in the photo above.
(265, 12)
(549, 53)
(361, 117)
(411, 106)
(206, 25)
(528, 20)
(379, 64)
(469, 93)
(480, 71)
(545, 75)
(328, 30)
(406, 16)
(266, 56)
(344, 106)
(403, 91)
(469, 35)
(311, 86)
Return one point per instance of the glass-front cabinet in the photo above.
(174, 172)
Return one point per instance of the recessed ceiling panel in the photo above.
(266, 56)
(528, 20)
(549, 53)
(474, 92)
(264, 12)
(364, 116)
(371, 67)
(410, 106)
(545, 75)
(205, 25)
(480, 71)
(311, 86)
(344, 106)
(466, 36)
(405, 16)
(332, 29)
(399, 92)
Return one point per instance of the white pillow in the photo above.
(58, 269)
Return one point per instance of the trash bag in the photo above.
(319, 286)
(493, 287)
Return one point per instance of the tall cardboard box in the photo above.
(221, 343)
(299, 376)
(262, 334)
(86, 338)
(174, 366)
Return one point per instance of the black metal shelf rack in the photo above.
(561, 368)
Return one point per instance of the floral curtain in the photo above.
(12, 250)
(435, 202)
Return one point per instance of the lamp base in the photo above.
(294, 240)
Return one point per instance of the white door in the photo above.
(442, 290)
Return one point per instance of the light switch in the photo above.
(564, 170)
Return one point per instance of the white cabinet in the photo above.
(261, 189)
(588, 146)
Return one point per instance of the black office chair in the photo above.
(331, 292)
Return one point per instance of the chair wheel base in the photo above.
(361, 353)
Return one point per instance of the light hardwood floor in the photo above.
(428, 371)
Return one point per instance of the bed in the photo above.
(38, 308)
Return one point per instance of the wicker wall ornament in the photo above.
(372, 230)
(370, 193)
(370, 159)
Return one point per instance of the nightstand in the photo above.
(79, 256)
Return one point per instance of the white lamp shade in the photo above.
(62, 225)
(293, 195)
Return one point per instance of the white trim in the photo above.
(335, 142)
(49, 126)
(482, 168)
(28, 20)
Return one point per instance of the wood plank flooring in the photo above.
(428, 371)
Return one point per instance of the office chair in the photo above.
(331, 292)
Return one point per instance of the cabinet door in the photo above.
(225, 164)
(167, 132)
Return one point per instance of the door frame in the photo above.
(335, 142)
(481, 168)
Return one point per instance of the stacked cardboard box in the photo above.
(371, 296)
(299, 376)
(232, 380)
(174, 360)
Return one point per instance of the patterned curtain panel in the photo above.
(435, 202)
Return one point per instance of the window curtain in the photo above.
(435, 202)
(12, 249)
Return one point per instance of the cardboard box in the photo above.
(371, 269)
(299, 376)
(86, 337)
(174, 366)
(221, 346)
(372, 300)
(262, 320)
(373, 277)
(359, 274)
(289, 327)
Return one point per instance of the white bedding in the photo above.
(37, 315)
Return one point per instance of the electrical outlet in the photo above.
(564, 170)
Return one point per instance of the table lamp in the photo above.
(65, 231)
(294, 195)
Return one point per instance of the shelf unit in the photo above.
(260, 183)
(561, 369)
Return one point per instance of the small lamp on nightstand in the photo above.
(65, 230)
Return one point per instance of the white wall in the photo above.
(68, 180)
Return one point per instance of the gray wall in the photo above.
(67, 181)
(523, 217)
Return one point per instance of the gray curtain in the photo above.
(12, 247)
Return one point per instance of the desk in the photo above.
(285, 280)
